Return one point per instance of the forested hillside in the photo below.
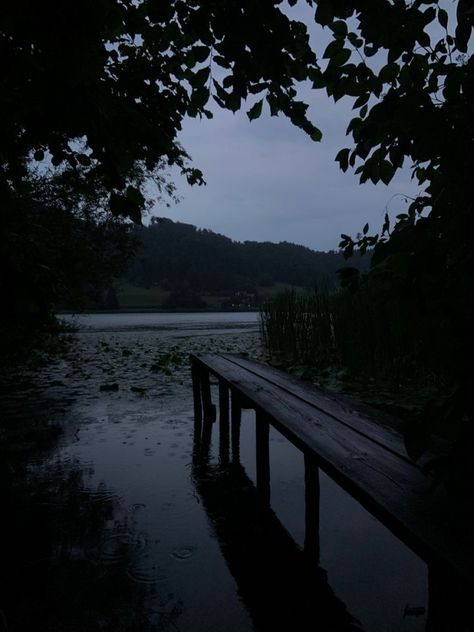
(177, 256)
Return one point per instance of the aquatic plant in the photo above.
(297, 328)
(364, 336)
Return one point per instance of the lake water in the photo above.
(175, 323)
(113, 526)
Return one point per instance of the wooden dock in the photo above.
(358, 447)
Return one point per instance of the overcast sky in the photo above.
(267, 181)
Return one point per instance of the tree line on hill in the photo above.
(181, 257)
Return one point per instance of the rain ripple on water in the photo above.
(120, 546)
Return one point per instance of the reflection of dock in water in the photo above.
(361, 450)
(282, 586)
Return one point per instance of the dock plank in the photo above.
(372, 424)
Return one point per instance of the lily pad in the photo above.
(138, 389)
(109, 387)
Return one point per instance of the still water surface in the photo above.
(211, 322)
(120, 526)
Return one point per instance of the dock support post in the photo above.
(208, 408)
(223, 423)
(236, 417)
(206, 439)
(311, 478)
(196, 396)
(263, 455)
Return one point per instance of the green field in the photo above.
(133, 297)
(130, 296)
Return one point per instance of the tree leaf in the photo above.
(340, 58)
(222, 61)
(342, 158)
(333, 48)
(200, 77)
(232, 101)
(339, 28)
(386, 171)
(423, 39)
(362, 100)
(201, 53)
(355, 40)
(443, 18)
(255, 111)
(200, 97)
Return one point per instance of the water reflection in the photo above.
(70, 562)
(271, 568)
(102, 528)
(282, 586)
(104, 522)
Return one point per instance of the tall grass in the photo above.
(297, 328)
(376, 335)
(364, 332)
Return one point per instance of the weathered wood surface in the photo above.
(365, 458)
(378, 426)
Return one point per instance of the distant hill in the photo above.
(189, 263)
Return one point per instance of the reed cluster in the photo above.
(364, 332)
(297, 328)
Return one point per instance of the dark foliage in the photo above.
(93, 95)
(59, 246)
(100, 88)
(412, 85)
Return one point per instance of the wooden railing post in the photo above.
(263, 455)
(312, 498)
(223, 423)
